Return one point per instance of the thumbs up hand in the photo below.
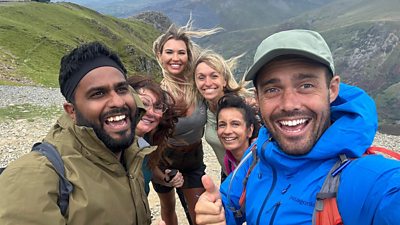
(209, 208)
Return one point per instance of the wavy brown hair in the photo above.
(165, 128)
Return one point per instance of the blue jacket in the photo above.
(282, 189)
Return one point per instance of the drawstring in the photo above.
(253, 152)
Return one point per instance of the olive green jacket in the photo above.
(104, 191)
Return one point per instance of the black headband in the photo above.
(69, 86)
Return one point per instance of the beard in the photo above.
(301, 145)
(111, 143)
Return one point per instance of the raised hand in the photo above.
(209, 208)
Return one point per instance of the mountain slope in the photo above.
(34, 37)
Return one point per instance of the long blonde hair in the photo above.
(225, 68)
(182, 89)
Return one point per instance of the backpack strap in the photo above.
(386, 152)
(238, 213)
(242, 200)
(326, 208)
(65, 187)
(326, 211)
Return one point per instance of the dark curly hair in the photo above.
(234, 101)
(165, 128)
(72, 62)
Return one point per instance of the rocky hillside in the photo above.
(158, 20)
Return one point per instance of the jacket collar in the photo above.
(86, 141)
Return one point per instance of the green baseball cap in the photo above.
(306, 43)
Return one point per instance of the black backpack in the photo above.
(65, 187)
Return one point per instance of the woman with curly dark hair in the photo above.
(237, 128)
(153, 129)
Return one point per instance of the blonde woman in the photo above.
(213, 79)
(175, 52)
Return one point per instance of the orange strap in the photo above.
(330, 215)
(375, 150)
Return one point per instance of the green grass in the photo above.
(9, 83)
(29, 112)
(388, 101)
(37, 35)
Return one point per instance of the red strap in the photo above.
(243, 195)
(375, 149)
(330, 214)
(242, 199)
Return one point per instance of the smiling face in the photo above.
(152, 117)
(233, 131)
(103, 102)
(294, 101)
(209, 82)
(174, 56)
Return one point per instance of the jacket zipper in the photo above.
(267, 197)
(274, 213)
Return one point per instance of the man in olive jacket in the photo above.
(96, 140)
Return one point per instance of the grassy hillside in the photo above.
(388, 102)
(342, 13)
(34, 37)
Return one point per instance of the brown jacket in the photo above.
(104, 192)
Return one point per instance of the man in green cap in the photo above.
(310, 131)
(96, 140)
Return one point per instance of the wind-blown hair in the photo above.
(181, 87)
(165, 128)
(224, 68)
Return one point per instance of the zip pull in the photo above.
(345, 162)
(286, 189)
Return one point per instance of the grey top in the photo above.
(142, 142)
(190, 129)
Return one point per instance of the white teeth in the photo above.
(229, 139)
(208, 90)
(116, 118)
(146, 121)
(175, 65)
(292, 123)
